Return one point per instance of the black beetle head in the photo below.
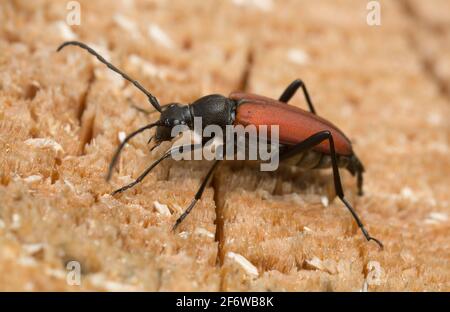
(172, 115)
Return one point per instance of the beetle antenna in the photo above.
(151, 98)
(122, 144)
(145, 111)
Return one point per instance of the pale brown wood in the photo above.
(61, 115)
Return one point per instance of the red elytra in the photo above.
(295, 124)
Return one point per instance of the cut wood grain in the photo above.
(62, 115)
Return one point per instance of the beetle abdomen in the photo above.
(315, 160)
(295, 124)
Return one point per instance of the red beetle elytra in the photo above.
(307, 140)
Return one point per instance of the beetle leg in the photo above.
(153, 165)
(290, 91)
(197, 196)
(139, 109)
(122, 145)
(314, 140)
(356, 168)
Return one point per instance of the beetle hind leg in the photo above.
(316, 139)
(356, 168)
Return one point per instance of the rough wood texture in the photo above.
(61, 114)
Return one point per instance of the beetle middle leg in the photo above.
(314, 140)
(290, 91)
(197, 196)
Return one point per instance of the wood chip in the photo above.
(44, 143)
(161, 208)
(244, 263)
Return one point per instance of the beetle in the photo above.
(307, 140)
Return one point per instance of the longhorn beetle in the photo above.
(308, 140)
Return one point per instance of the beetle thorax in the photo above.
(214, 109)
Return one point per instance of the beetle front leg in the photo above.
(314, 140)
(153, 165)
(197, 196)
(138, 108)
(290, 91)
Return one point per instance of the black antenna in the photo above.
(122, 144)
(151, 98)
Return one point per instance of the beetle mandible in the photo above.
(308, 140)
